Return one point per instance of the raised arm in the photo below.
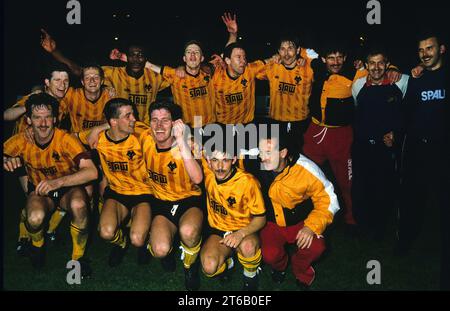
(232, 27)
(13, 113)
(49, 44)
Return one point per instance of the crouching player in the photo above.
(58, 167)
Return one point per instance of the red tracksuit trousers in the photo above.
(273, 239)
(333, 144)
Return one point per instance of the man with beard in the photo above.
(58, 166)
(135, 82)
(378, 133)
(425, 167)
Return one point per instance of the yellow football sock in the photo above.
(119, 239)
(100, 204)
(250, 264)
(79, 240)
(55, 220)
(190, 253)
(23, 233)
(37, 238)
(218, 272)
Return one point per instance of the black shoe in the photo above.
(86, 270)
(192, 277)
(37, 256)
(251, 284)
(302, 286)
(23, 247)
(143, 255)
(168, 263)
(116, 255)
(278, 276)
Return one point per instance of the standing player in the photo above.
(192, 91)
(85, 105)
(57, 167)
(175, 176)
(290, 87)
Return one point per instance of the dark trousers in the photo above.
(425, 174)
(374, 185)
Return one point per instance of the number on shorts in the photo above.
(174, 209)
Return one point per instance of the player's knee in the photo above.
(107, 232)
(137, 239)
(209, 264)
(36, 218)
(249, 247)
(78, 206)
(160, 250)
(189, 233)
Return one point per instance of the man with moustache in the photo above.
(329, 136)
(236, 213)
(425, 167)
(58, 168)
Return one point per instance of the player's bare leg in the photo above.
(190, 235)
(249, 255)
(214, 255)
(162, 234)
(141, 218)
(111, 220)
(37, 209)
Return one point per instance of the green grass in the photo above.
(343, 267)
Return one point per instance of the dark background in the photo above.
(164, 26)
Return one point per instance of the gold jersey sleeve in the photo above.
(194, 94)
(123, 164)
(235, 98)
(168, 176)
(57, 159)
(142, 91)
(233, 202)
